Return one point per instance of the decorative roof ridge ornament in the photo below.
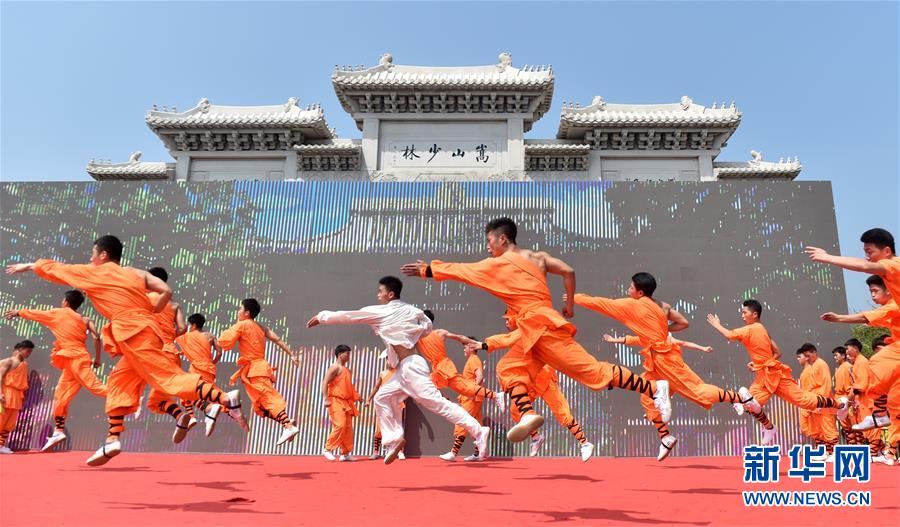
(135, 157)
(598, 103)
(686, 102)
(386, 61)
(756, 157)
(203, 105)
(505, 59)
(292, 102)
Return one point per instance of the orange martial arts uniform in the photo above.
(884, 366)
(14, 387)
(69, 355)
(195, 347)
(544, 385)
(471, 404)
(843, 383)
(888, 316)
(343, 396)
(663, 359)
(546, 337)
(120, 295)
(158, 401)
(443, 372)
(822, 421)
(861, 375)
(772, 376)
(255, 371)
(804, 382)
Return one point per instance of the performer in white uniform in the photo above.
(400, 326)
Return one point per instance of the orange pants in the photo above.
(822, 426)
(144, 362)
(787, 389)
(471, 406)
(682, 380)
(266, 400)
(76, 373)
(8, 419)
(157, 397)
(805, 428)
(861, 412)
(341, 427)
(894, 411)
(465, 387)
(884, 369)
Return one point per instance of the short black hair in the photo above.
(879, 238)
(160, 273)
(111, 245)
(252, 306)
(392, 284)
(645, 283)
(875, 280)
(799, 352)
(428, 314)
(197, 319)
(341, 348)
(807, 347)
(74, 298)
(840, 350)
(505, 226)
(855, 343)
(879, 341)
(24, 344)
(754, 306)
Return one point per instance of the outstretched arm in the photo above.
(714, 322)
(462, 339)
(369, 315)
(691, 345)
(217, 356)
(857, 318)
(374, 391)
(98, 344)
(272, 336)
(847, 262)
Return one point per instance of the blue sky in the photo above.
(818, 80)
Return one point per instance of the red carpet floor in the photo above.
(185, 489)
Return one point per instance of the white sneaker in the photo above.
(53, 440)
(483, 442)
(587, 450)
(234, 409)
(769, 436)
(401, 456)
(738, 408)
(843, 410)
(500, 401)
(287, 435)
(666, 446)
(823, 457)
(449, 456)
(662, 402)
(5, 450)
(184, 423)
(210, 416)
(472, 457)
(750, 404)
(328, 455)
(105, 453)
(394, 451)
(872, 422)
(346, 457)
(528, 424)
(536, 444)
(375, 455)
(880, 459)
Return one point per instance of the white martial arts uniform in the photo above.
(400, 324)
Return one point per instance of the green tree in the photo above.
(866, 334)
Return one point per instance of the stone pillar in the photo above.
(182, 166)
(515, 144)
(290, 165)
(705, 167)
(370, 144)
